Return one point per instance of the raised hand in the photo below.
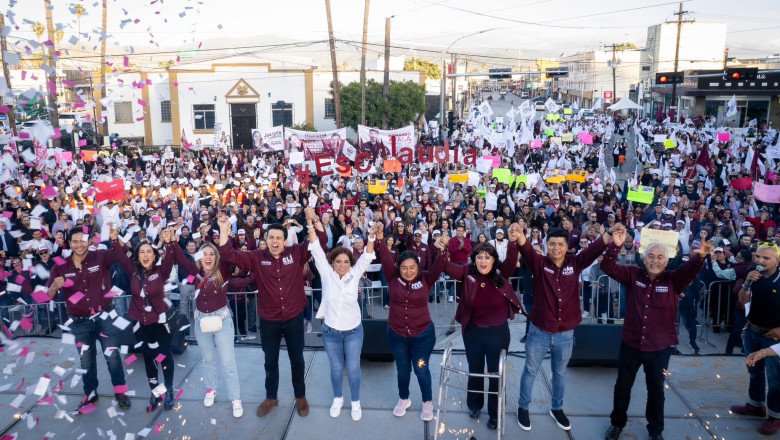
(515, 231)
(705, 249)
(619, 234)
(114, 232)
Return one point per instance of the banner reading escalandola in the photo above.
(383, 143)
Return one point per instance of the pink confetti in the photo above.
(82, 142)
(67, 283)
(59, 261)
(178, 395)
(57, 133)
(141, 102)
(76, 297)
(130, 359)
(68, 83)
(19, 279)
(158, 428)
(126, 61)
(24, 135)
(96, 239)
(26, 324)
(86, 409)
(47, 400)
(4, 109)
(190, 279)
(40, 297)
(8, 214)
(160, 357)
(120, 389)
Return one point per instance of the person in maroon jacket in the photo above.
(556, 311)
(487, 303)
(281, 298)
(649, 330)
(152, 310)
(410, 331)
(82, 280)
(212, 301)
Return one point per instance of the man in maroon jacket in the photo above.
(280, 302)
(649, 331)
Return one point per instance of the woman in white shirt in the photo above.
(342, 330)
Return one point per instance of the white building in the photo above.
(702, 47)
(199, 99)
(590, 76)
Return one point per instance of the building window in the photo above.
(165, 111)
(645, 68)
(123, 112)
(282, 114)
(205, 116)
(330, 108)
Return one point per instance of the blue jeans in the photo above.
(88, 332)
(221, 342)
(413, 353)
(765, 372)
(539, 342)
(343, 348)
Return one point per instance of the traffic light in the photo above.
(669, 78)
(742, 73)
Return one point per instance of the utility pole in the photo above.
(334, 66)
(363, 64)
(51, 75)
(613, 64)
(103, 88)
(386, 85)
(680, 21)
(7, 75)
(454, 83)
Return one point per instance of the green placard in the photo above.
(668, 144)
(521, 179)
(549, 132)
(504, 175)
(643, 194)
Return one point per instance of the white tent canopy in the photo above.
(625, 104)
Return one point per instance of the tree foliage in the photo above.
(431, 70)
(303, 126)
(405, 102)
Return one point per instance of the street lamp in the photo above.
(444, 70)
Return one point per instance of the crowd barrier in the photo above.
(706, 310)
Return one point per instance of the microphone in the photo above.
(746, 285)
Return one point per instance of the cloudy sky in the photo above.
(517, 29)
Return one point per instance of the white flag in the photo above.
(526, 110)
(597, 105)
(551, 106)
(731, 107)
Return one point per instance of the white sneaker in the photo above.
(426, 414)
(401, 406)
(585, 315)
(450, 299)
(335, 407)
(209, 399)
(357, 413)
(238, 410)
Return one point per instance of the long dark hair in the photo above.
(494, 276)
(137, 261)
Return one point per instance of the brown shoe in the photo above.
(749, 410)
(266, 406)
(302, 406)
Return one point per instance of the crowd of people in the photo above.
(212, 221)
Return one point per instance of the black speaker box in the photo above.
(596, 345)
(375, 345)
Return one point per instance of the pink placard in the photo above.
(724, 136)
(537, 144)
(496, 160)
(75, 298)
(66, 156)
(82, 142)
(766, 193)
(586, 139)
(8, 214)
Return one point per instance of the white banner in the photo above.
(266, 141)
(383, 143)
(313, 143)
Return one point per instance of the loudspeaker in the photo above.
(596, 345)
(375, 345)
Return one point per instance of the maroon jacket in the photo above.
(556, 306)
(279, 281)
(409, 313)
(89, 280)
(148, 308)
(651, 306)
(478, 290)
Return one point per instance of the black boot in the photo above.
(169, 400)
(154, 402)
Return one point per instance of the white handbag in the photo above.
(210, 324)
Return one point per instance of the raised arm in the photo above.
(436, 268)
(244, 259)
(386, 258)
(320, 259)
(184, 262)
(685, 274)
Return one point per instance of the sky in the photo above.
(517, 30)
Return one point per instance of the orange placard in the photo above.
(89, 155)
(392, 166)
(577, 176)
(459, 178)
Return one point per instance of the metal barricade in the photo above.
(604, 300)
(445, 382)
(717, 310)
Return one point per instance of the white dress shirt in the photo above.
(339, 307)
